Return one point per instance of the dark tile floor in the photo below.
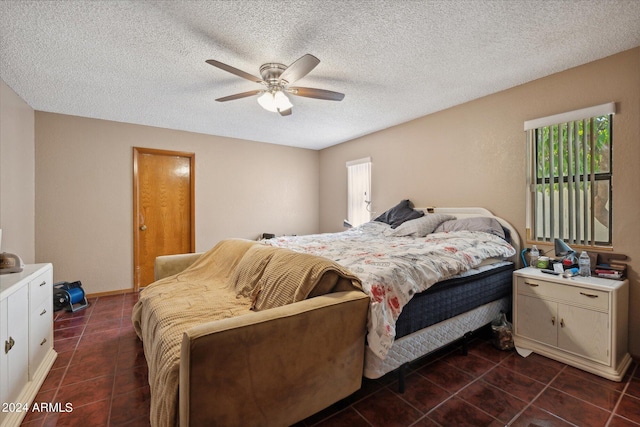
(102, 373)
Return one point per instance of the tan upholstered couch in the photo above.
(274, 367)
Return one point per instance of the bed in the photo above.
(430, 276)
(419, 305)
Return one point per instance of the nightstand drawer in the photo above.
(576, 295)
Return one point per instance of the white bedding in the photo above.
(393, 269)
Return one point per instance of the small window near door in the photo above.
(359, 191)
(570, 177)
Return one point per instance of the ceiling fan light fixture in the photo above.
(276, 78)
(275, 101)
(282, 101)
(267, 101)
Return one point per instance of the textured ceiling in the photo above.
(143, 62)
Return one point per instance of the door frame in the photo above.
(136, 196)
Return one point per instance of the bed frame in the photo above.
(425, 341)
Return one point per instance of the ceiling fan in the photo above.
(277, 78)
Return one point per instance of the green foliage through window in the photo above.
(572, 182)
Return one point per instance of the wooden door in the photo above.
(163, 208)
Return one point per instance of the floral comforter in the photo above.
(393, 269)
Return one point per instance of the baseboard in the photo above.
(110, 293)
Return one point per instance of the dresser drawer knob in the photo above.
(44, 282)
(44, 311)
(589, 295)
(553, 320)
(43, 341)
(532, 284)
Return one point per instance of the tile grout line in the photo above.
(549, 385)
(491, 385)
(622, 394)
(115, 371)
(477, 379)
(359, 414)
(530, 404)
(389, 386)
(66, 369)
(75, 350)
(454, 394)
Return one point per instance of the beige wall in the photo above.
(17, 185)
(84, 193)
(469, 155)
(474, 155)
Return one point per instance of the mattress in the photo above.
(444, 313)
(457, 295)
(395, 268)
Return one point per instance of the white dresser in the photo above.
(580, 321)
(26, 338)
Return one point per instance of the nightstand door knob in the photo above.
(553, 320)
(8, 345)
(562, 323)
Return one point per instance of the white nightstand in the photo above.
(580, 321)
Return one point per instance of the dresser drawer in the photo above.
(40, 334)
(575, 295)
(40, 289)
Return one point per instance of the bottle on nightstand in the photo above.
(584, 264)
(534, 254)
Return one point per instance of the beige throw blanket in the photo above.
(273, 277)
(230, 280)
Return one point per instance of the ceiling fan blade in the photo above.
(239, 95)
(300, 68)
(286, 112)
(233, 70)
(316, 93)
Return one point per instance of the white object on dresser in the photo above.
(580, 321)
(26, 338)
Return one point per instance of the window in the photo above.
(359, 191)
(570, 175)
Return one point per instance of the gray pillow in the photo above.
(476, 223)
(420, 227)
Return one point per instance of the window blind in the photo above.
(569, 176)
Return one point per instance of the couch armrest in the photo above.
(168, 265)
(273, 367)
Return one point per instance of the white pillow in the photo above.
(420, 227)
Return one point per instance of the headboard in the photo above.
(467, 212)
